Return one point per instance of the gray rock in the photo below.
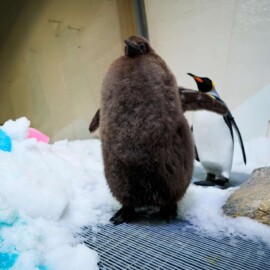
(252, 199)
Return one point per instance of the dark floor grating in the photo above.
(172, 246)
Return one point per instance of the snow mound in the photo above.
(49, 191)
(18, 129)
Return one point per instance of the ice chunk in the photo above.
(7, 260)
(18, 129)
(5, 141)
(70, 258)
(8, 215)
(38, 199)
(29, 260)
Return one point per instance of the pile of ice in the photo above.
(49, 191)
(46, 193)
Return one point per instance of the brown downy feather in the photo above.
(146, 141)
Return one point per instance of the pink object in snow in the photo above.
(34, 133)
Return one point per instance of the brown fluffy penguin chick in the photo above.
(146, 141)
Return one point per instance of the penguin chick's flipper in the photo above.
(168, 212)
(193, 100)
(125, 214)
(95, 122)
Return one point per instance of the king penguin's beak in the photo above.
(190, 74)
(196, 78)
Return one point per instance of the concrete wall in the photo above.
(9, 10)
(226, 40)
(54, 58)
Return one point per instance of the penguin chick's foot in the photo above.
(212, 182)
(125, 214)
(168, 212)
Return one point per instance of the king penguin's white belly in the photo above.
(214, 142)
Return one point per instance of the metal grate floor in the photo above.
(152, 245)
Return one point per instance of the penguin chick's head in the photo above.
(204, 84)
(137, 45)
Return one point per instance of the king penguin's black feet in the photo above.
(221, 181)
(168, 212)
(125, 214)
(210, 181)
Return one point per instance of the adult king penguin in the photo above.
(147, 144)
(214, 140)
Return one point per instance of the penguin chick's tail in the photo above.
(193, 100)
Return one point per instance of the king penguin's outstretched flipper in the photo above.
(95, 122)
(193, 100)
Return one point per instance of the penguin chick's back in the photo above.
(146, 141)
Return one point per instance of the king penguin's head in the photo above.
(137, 45)
(204, 84)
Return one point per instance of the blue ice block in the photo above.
(5, 141)
(7, 260)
